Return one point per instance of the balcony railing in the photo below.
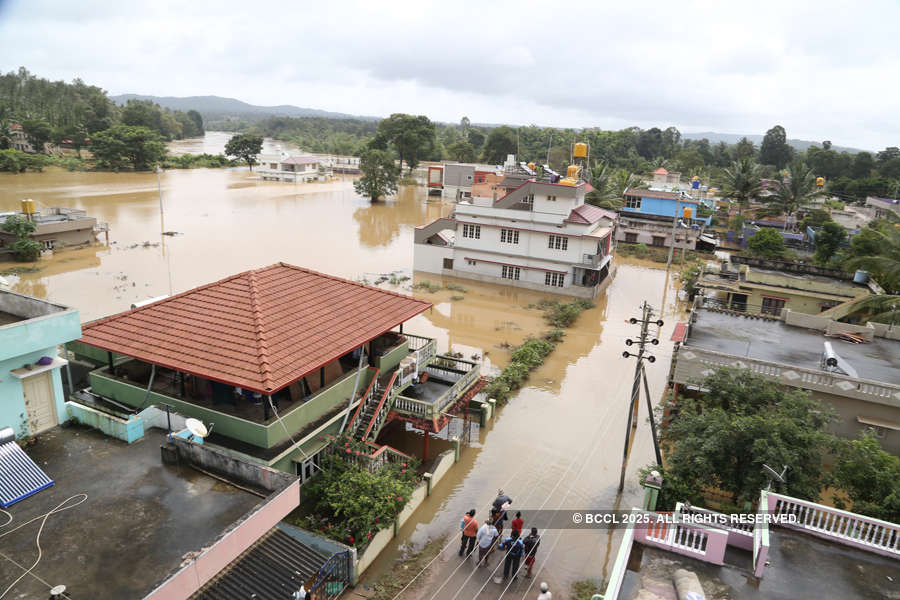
(424, 348)
(695, 363)
(463, 373)
(698, 541)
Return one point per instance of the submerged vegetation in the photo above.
(531, 354)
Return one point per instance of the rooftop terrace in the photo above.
(138, 521)
(775, 341)
(799, 566)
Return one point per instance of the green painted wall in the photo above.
(392, 358)
(93, 355)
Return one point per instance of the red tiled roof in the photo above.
(660, 171)
(588, 214)
(301, 160)
(679, 334)
(261, 330)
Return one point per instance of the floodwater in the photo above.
(558, 444)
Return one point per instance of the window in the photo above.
(448, 263)
(558, 242)
(554, 279)
(551, 198)
(632, 202)
(273, 165)
(510, 272)
(472, 231)
(827, 306)
(309, 468)
(48, 244)
(772, 306)
(471, 262)
(509, 236)
(631, 238)
(528, 199)
(659, 240)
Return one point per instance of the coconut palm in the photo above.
(609, 185)
(878, 252)
(742, 183)
(793, 192)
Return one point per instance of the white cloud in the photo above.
(824, 70)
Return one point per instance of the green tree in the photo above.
(38, 133)
(766, 243)
(828, 241)
(877, 250)
(500, 142)
(197, 118)
(476, 138)
(123, 144)
(461, 151)
(723, 437)
(379, 175)
(793, 192)
(23, 247)
(742, 183)
(774, 149)
(863, 165)
(744, 149)
(814, 218)
(412, 136)
(245, 147)
(869, 476)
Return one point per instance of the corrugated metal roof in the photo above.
(19, 476)
(261, 330)
(273, 568)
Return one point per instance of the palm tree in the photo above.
(742, 183)
(794, 191)
(609, 185)
(884, 265)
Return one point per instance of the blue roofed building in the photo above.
(31, 392)
(647, 215)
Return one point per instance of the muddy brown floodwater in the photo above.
(558, 444)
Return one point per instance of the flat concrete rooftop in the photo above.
(139, 520)
(776, 342)
(799, 566)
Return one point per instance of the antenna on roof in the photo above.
(197, 428)
(773, 474)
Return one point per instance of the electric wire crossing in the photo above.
(640, 374)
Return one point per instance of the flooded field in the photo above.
(558, 444)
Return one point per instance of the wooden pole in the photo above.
(652, 419)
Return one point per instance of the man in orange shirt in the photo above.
(469, 527)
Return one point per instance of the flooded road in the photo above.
(558, 444)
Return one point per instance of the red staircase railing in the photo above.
(387, 393)
(351, 425)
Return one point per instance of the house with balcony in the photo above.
(783, 548)
(759, 286)
(540, 235)
(31, 382)
(275, 360)
(646, 218)
(295, 169)
(855, 369)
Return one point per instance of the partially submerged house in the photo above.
(273, 361)
(55, 227)
(31, 383)
(540, 235)
(295, 169)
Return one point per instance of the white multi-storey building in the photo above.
(539, 236)
(297, 169)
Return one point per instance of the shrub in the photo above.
(766, 243)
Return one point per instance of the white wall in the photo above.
(430, 259)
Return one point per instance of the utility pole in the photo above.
(674, 227)
(643, 339)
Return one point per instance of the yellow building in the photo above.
(760, 286)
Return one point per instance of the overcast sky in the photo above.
(823, 70)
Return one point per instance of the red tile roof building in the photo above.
(260, 330)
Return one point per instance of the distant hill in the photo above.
(216, 107)
(733, 138)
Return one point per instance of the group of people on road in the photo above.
(488, 539)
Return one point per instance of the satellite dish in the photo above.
(196, 427)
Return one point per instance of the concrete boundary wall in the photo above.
(380, 540)
(231, 468)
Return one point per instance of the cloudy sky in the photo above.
(824, 70)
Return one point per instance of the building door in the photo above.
(39, 402)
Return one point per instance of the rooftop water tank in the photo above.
(820, 181)
(688, 211)
(572, 172)
(580, 150)
(861, 277)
